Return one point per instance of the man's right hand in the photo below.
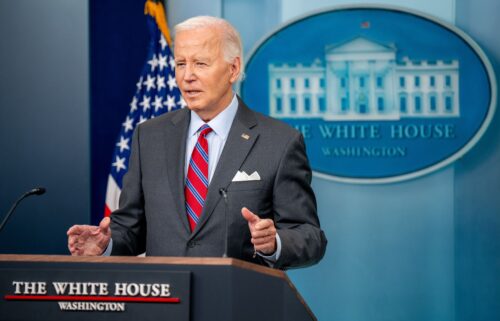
(89, 240)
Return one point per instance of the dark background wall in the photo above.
(44, 121)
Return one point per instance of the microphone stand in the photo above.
(35, 191)
(223, 192)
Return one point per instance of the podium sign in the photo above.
(103, 292)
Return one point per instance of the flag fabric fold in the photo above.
(156, 94)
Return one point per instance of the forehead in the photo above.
(199, 41)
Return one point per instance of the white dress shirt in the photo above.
(216, 139)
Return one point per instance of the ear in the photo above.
(235, 69)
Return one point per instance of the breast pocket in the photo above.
(254, 195)
(246, 186)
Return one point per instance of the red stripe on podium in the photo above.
(90, 298)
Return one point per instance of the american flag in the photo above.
(156, 93)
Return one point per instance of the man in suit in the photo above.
(213, 178)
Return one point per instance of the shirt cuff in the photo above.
(271, 259)
(108, 250)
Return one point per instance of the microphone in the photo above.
(35, 191)
(223, 192)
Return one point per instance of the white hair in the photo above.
(231, 40)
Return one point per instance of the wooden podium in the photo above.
(49, 288)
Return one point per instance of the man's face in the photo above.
(203, 76)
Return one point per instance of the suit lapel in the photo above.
(175, 139)
(239, 142)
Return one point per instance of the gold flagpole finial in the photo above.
(157, 11)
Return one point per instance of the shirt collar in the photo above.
(220, 125)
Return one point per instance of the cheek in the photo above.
(178, 76)
(221, 80)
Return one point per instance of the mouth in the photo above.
(192, 93)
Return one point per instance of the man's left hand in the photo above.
(263, 232)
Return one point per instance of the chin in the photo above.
(194, 107)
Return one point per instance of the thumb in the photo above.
(104, 225)
(249, 216)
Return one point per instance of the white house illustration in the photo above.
(364, 80)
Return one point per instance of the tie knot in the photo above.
(204, 130)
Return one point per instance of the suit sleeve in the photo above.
(295, 213)
(128, 223)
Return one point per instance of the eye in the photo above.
(179, 64)
(201, 64)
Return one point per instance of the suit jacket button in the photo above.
(191, 244)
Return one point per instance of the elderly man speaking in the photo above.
(213, 178)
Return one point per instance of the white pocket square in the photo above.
(241, 176)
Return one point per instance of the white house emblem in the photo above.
(364, 80)
(380, 94)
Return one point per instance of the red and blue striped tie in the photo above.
(197, 178)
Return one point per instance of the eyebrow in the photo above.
(203, 59)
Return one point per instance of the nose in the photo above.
(189, 73)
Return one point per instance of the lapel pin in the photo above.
(245, 136)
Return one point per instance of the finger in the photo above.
(80, 229)
(103, 227)
(266, 249)
(249, 216)
(75, 229)
(263, 233)
(74, 251)
(80, 249)
(264, 224)
(71, 249)
(263, 240)
(71, 240)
